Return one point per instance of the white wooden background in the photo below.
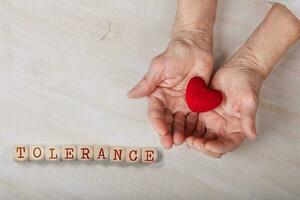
(64, 77)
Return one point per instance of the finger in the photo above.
(145, 86)
(167, 140)
(169, 116)
(198, 144)
(248, 115)
(214, 123)
(190, 123)
(210, 134)
(226, 144)
(156, 115)
(200, 127)
(178, 128)
(191, 139)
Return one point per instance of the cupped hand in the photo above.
(225, 128)
(164, 85)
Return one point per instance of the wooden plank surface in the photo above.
(65, 68)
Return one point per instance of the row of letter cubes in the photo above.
(84, 153)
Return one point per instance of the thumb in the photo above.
(248, 118)
(145, 86)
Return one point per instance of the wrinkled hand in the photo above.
(225, 128)
(164, 84)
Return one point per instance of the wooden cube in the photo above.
(149, 155)
(85, 152)
(117, 154)
(21, 153)
(37, 153)
(53, 153)
(101, 152)
(133, 155)
(69, 152)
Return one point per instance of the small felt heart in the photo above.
(199, 98)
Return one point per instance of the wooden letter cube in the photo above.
(117, 154)
(37, 153)
(101, 152)
(52, 153)
(69, 152)
(133, 155)
(149, 155)
(85, 152)
(21, 153)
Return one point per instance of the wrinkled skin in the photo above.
(225, 128)
(164, 85)
(215, 132)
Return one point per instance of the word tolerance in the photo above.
(84, 153)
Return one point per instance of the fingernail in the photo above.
(189, 143)
(197, 147)
(167, 147)
(253, 137)
(164, 134)
(177, 143)
(128, 94)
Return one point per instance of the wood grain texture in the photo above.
(101, 152)
(85, 152)
(65, 68)
(53, 153)
(36, 153)
(133, 155)
(20, 153)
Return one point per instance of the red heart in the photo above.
(200, 98)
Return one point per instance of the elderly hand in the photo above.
(188, 54)
(165, 84)
(225, 128)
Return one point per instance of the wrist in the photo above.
(193, 36)
(248, 61)
(195, 22)
(274, 36)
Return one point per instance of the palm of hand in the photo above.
(165, 84)
(176, 67)
(226, 127)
